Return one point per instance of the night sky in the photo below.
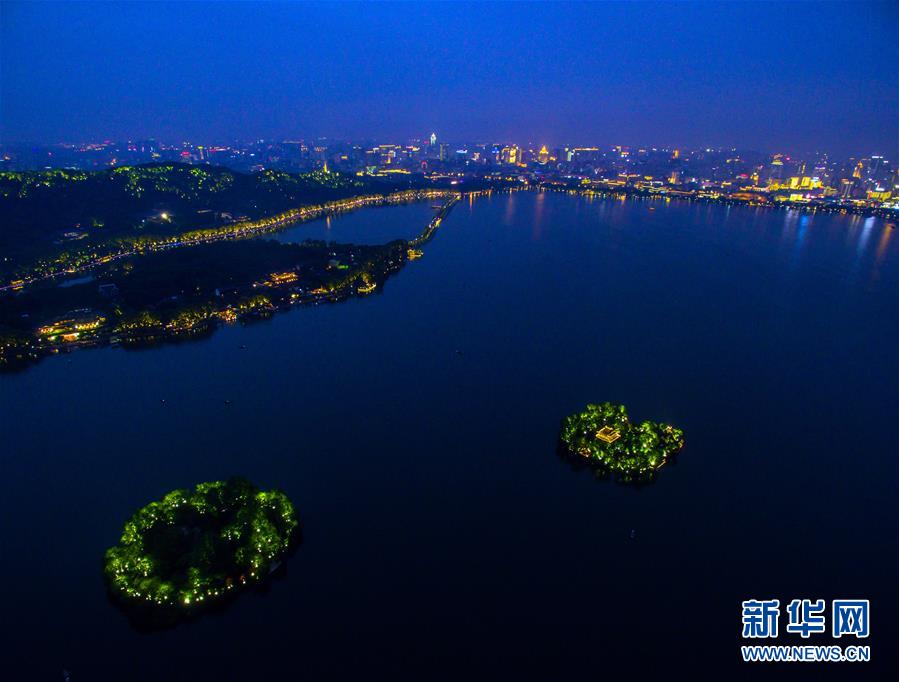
(795, 77)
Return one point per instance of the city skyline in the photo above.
(421, 139)
(818, 181)
(702, 75)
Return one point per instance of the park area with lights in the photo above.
(604, 435)
(194, 547)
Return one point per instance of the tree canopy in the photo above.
(193, 547)
(605, 435)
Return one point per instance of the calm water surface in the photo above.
(377, 225)
(415, 429)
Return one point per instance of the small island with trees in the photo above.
(605, 436)
(194, 548)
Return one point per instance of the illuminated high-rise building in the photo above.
(387, 153)
(433, 139)
(777, 167)
(876, 166)
(511, 155)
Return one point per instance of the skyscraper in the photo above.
(511, 155)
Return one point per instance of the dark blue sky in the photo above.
(797, 76)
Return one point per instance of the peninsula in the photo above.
(179, 275)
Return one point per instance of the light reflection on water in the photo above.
(883, 243)
(375, 225)
(803, 226)
(539, 212)
(416, 429)
(867, 228)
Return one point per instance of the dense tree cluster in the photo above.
(604, 434)
(66, 218)
(179, 293)
(193, 547)
(96, 247)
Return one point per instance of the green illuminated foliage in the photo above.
(604, 435)
(194, 547)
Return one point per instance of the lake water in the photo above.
(377, 225)
(415, 430)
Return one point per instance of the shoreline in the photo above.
(245, 307)
(252, 305)
(238, 230)
(723, 200)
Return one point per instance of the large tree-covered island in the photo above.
(193, 548)
(604, 435)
